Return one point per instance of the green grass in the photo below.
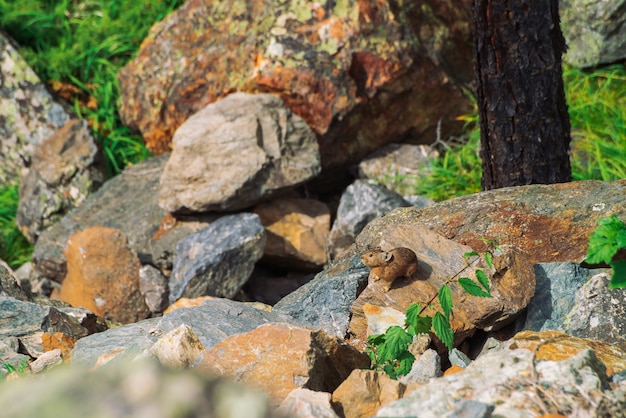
(15, 250)
(84, 44)
(597, 108)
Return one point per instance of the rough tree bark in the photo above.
(524, 124)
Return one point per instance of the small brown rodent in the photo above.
(389, 265)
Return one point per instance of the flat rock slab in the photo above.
(211, 322)
(549, 222)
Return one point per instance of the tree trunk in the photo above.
(524, 124)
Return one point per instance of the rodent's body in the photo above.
(389, 265)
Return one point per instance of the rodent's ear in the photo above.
(387, 256)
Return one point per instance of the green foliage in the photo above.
(85, 43)
(20, 370)
(389, 351)
(81, 44)
(604, 243)
(15, 250)
(597, 108)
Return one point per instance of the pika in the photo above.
(389, 265)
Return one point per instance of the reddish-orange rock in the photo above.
(297, 232)
(58, 340)
(454, 369)
(278, 358)
(549, 222)
(361, 73)
(103, 275)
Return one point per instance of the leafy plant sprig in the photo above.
(604, 243)
(390, 353)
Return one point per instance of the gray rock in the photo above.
(326, 300)
(127, 202)
(65, 169)
(555, 291)
(595, 31)
(426, 367)
(458, 358)
(507, 381)
(10, 285)
(235, 152)
(217, 260)
(211, 322)
(306, 403)
(20, 318)
(134, 390)
(154, 287)
(28, 114)
(360, 203)
(598, 313)
(472, 409)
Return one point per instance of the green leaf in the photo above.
(406, 361)
(443, 330)
(472, 288)
(618, 280)
(397, 341)
(604, 241)
(376, 339)
(488, 259)
(417, 324)
(470, 254)
(482, 279)
(445, 299)
(620, 239)
(391, 371)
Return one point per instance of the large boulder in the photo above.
(549, 222)
(360, 73)
(595, 31)
(235, 152)
(28, 112)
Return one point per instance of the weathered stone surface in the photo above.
(360, 74)
(211, 322)
(127, 202)
(134, 389)
(178, 348)
(519, 216)
(235, 152)
(9, 283)
(279, 357)
(64, 170)
(40, 328)
(427, 366)
(325, 301)
(47, 361)
(512, 281)
(360, 203)
(556, 346)
(297, 232)
(380, 318)
(154, 288)
(103, 275)
(364, 392)
(595, 31)
(396, 166)
(306, 403)
(598, 312)
(507, 381)
(28, 114)
(217, 260)
(555, 291)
